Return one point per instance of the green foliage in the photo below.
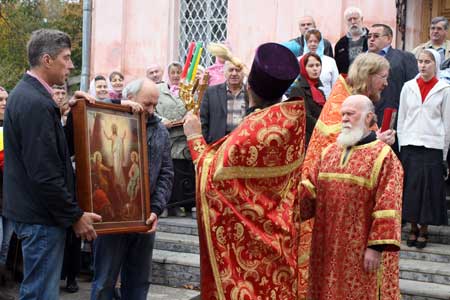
(19, 18)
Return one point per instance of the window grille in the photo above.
(202, 21)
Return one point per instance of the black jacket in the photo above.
(302, 89)
(213, 112)
(159, 164)
(38, 176)
(341, 53)
(328, 49)
(403, 67)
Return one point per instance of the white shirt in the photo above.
(424, 124)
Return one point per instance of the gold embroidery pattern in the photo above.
(250, 224)
(389, 213)
(240, 156)
(199, 146)
(383, 242)
(206, 220)
(359, 180)
(311, 188)
(194, 136)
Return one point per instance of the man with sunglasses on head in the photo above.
(438, 38)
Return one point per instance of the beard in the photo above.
(355, 30)
(349, 135)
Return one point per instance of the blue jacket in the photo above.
(160, 164)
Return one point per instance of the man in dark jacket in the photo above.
(132, 252)
(297, 45)
(403, 67)
(353, 43)
(224, 105)
(38, 175)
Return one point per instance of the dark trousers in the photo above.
(183, 191)
(72, 256)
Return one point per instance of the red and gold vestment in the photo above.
(248, 208)
(325, 132)
(355, 197)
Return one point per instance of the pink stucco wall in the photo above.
(128, 35)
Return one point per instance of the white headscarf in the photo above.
(437, 60)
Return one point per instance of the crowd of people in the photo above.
(296, 138)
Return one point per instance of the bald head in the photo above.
(155, 73)
(358, 115)
(358, 108)
(305, 23)
(143, 91)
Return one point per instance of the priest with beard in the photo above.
(354, 192)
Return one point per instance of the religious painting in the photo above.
(112, 166)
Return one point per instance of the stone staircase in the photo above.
(424, 274)
(176, 259)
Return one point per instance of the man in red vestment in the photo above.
(354, 191)
(247, 189)
(367, 76)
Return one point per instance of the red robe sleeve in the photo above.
(386, 224)
(197, 145)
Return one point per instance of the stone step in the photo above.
(436, 234)
(415, 290)
(175, 269)
(426, 271)
(185, 225)
(177, 242)
(432, 252)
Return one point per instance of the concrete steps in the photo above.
(432, 252)
(436, 234)
(425, 273)
(176, 259)
(411, 290)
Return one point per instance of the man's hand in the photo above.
(371, 260)
(191, 124)
(136, 107)
(152, 222)
(168, 124)
(79, 95)
(83, 227)
(387, 136)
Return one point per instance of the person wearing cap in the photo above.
(354, 193)
(247, 187)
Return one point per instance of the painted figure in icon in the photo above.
(117, 145)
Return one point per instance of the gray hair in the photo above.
(46, 41)
(132, 88)
(352, 10)
(436, 20)
(174, 64)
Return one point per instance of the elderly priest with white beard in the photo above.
(354, 191)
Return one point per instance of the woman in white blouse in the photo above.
(330, 73)
(424, 135)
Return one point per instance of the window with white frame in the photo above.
(202, 21)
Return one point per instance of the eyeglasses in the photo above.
(383, 77)
(375, 35)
